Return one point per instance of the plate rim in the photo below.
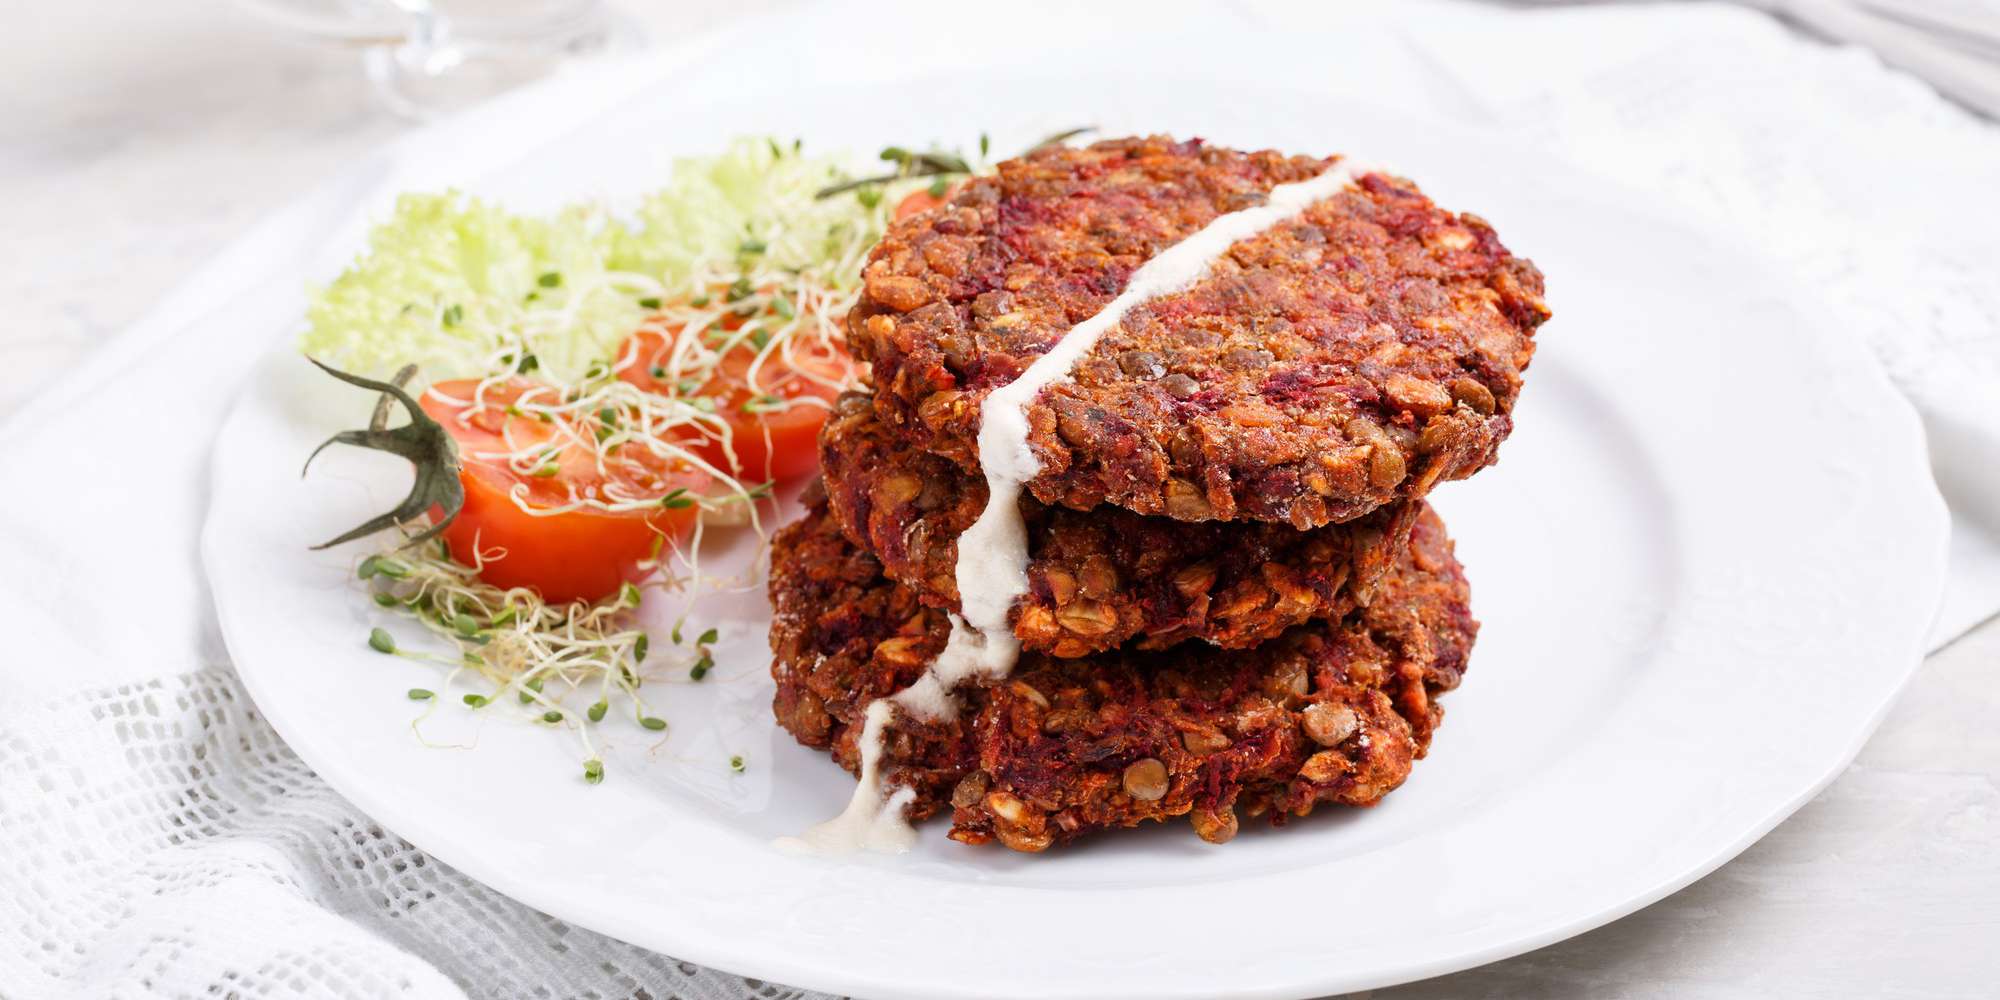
(749, 958)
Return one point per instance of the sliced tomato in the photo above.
(774, 425)
(924, 201)
(580, 554)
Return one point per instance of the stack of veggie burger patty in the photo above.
(1239, 604)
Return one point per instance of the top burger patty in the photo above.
(1342, 360)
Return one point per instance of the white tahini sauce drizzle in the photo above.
(992, 566)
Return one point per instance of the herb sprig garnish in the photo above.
(938, 163)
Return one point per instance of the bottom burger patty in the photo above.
(1326, 712)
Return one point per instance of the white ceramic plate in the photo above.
(1704, 565)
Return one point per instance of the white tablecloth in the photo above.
(156, 838)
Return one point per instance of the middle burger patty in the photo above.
(1106, 577)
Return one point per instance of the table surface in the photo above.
(132, 155)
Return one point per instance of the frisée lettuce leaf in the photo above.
(463, 287)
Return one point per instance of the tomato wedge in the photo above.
(774, 427)
(581, 554)
(925, 201)
(919, 201)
